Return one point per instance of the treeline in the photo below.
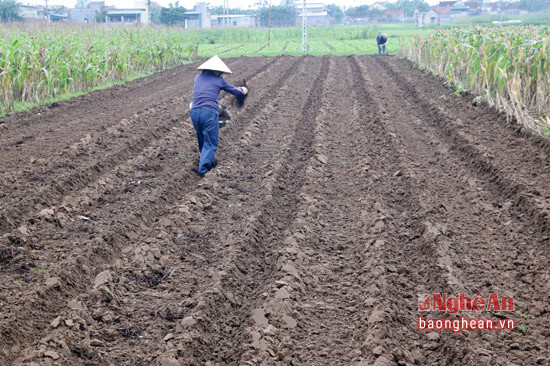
(283, 15)
(408, 6)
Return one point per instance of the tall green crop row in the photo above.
(43, 62)
(258, 35)
(509, 67)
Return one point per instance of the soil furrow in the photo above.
(130, 222)
(230, 298)
(455, 200)
(126, 222)
(84, 111)
(406, 234)
(396, 229)
(112, 151)
(105, 127)
(311, 311)
(346, 187)
(517, 182)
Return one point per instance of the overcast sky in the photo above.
(243, 4)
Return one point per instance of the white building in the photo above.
(378, 6)
(138, 14)
(32, 13)
(317, 14)
(131, 15)
(199, 17)
(233, 21)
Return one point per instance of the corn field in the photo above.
(508, 67)
(43, 62)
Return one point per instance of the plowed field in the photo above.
(346, 187)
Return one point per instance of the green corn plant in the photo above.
(508, 66)
(39, 62)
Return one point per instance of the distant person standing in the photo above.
(381, 41)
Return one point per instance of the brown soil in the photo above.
(346, 187)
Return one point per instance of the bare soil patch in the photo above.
(346, 187)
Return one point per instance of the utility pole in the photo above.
(304, 27)
(269, 25)
(225, 11)
(46, 15)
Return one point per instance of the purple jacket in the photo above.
(206, 90)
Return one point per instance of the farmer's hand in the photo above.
(244, 90)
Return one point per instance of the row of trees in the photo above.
(285, 14)
(408, 6)
(279, 15)
(9, 11)
(173, 14)
(534, 5)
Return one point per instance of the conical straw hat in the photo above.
(215, 64)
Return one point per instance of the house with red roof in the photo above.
(438, 15)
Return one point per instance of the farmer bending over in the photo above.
(381, 41)
(204, 109)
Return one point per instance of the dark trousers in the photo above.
(206, 125)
